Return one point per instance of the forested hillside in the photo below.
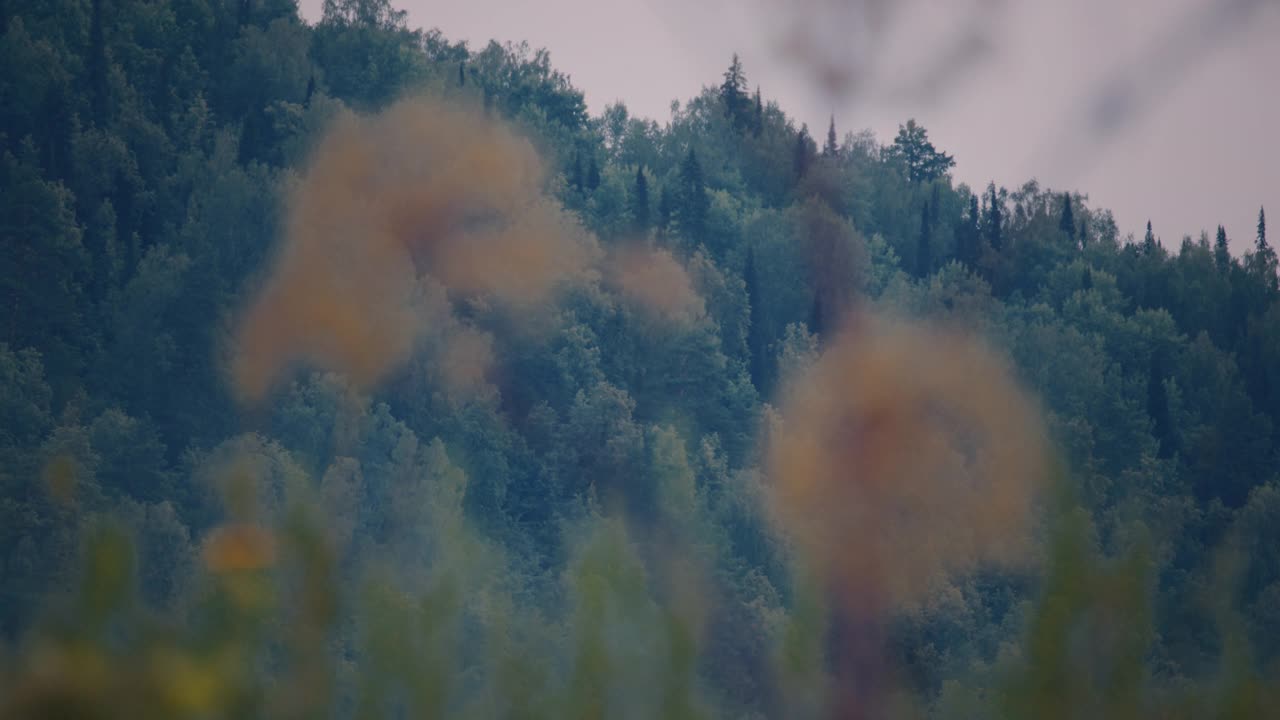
(348, 370)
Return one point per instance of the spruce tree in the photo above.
(733, 94)
(1149, 241)
(1068, 221)
(831, 148)
(1264, 256)
(692, 208)
(1221, 250)
(640, 201)
(994, 220)
(800, 155)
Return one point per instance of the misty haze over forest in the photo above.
(353, 369)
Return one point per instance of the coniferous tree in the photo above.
(832, 147)
(922, 161)
(691, 211)
(1149, 241)
(1264, 256)
(640, 201)
(1221, 250)
(802, 153)
(733, 94)
(1067, 222)
(994, 220)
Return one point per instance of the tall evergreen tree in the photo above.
(1149, 241)
(691, 211)
(640, 201)
(831, 148)
(733, 95)
(922, 161)
(1068, 221)
(993, 223)
(1264, 256)
(1221, 250)
(802, 153)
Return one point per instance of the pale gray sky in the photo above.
(1014, 89)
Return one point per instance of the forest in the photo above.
(346, 370)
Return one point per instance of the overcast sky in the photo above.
(1160, 109)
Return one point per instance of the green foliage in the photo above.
(584, 529)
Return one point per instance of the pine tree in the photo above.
(733, 94)
(640, 201)
(691, 211)
(994, 220)
(1068, 221)
(922, 161)
(1221, 250)
(802, 152)
(1149, 241)
(1264, 256)
(831, 148)
(757, 342)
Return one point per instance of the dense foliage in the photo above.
(582, 530)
